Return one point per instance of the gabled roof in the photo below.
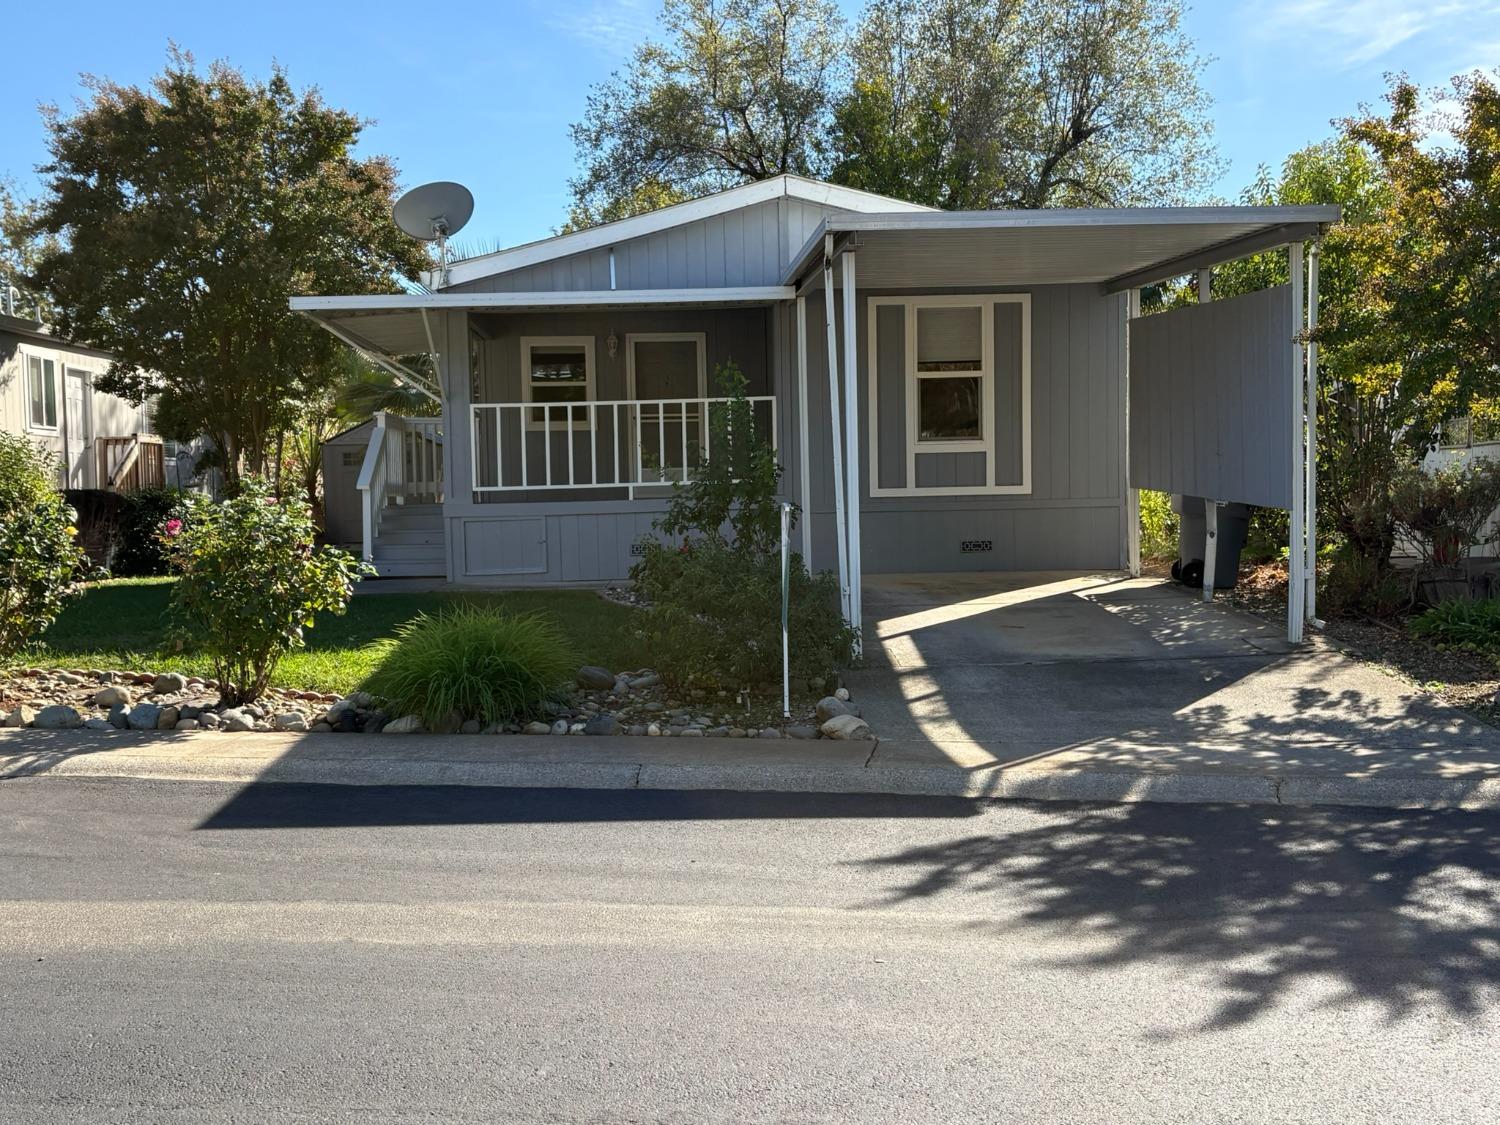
(732, 199)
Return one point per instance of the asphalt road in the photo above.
(194, 953)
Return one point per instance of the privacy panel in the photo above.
(1211, 391)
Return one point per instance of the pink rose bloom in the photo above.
(173, 527)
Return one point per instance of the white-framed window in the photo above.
(41, 393)
(947, 371)
(557, 369)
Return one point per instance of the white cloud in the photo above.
(1355, 32)
(612, 27)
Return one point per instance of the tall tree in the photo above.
(20, 248)
(968, 104)
(188, 213)
(736, 90)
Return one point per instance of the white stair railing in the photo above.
(372, 484)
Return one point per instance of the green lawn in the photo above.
(125, 622)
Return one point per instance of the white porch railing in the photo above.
(626, 443)
(403, 463)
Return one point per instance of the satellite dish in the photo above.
(432, 212)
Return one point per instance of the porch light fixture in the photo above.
(612, 344)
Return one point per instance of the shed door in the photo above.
(76, 428)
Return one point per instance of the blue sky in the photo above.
(484, 93)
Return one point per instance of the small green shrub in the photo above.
(1357, 585)
(1462, 625)
(713, 613)
(252, 581)
(476, 662)
(713, 616)
(40, 563)
(1159, 526)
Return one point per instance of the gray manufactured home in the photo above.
(947, 390)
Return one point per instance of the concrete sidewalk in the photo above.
(1321, 773)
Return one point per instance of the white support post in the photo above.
(1210, 505)
(1311, 566)
(1296, 545)
(1210, 547)
(834, 415)
(804, 468)
(851, 442)
(1132, 495)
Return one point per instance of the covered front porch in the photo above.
(566, 420)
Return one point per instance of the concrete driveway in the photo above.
(1100, 670)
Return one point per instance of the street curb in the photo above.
(483, 762)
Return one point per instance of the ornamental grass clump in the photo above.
(251, 583)
(475, 662)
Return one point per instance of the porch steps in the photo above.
(411, 542)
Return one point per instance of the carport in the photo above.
(1215, 400)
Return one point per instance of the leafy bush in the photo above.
(1444, 510)
(39, 561)
(713, 613)
(1159, 525)
(1467, 626)
(714, 616)
(1359, 584)
(142, 552)
(252, 581)
(478, 662)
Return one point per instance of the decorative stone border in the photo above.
(604, 704)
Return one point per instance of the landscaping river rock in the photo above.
(601, 704)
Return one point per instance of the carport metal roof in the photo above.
(1117, 248)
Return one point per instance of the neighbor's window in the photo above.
(41, 384)
(557, 370)
(950, 374)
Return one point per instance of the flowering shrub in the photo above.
(252, 582)
(39, 562)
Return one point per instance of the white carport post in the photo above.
(1210, 505)
(851, 442)
(1132, 494)
(1310, 568)
(1297, 542)
(834, 423)
(804, 473)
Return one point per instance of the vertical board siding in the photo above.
(1213, 388)
(1070, 519)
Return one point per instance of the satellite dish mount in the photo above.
(432, 212)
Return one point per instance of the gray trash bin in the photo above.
(1234, 528)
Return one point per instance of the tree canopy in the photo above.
(953, 103)
(186, 214)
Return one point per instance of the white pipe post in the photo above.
(1296, 545)
(1210, 505)
(1132, 495)
(1311, 567)
(834, 415)
(804, 472)
(851, 442)
(786, 596)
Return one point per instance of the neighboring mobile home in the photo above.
(47, 394)
(964, 372)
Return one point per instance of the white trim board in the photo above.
(987, 443)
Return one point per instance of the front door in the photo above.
(667, 373)
(75, 428)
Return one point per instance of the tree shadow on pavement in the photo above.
(1399, 909)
